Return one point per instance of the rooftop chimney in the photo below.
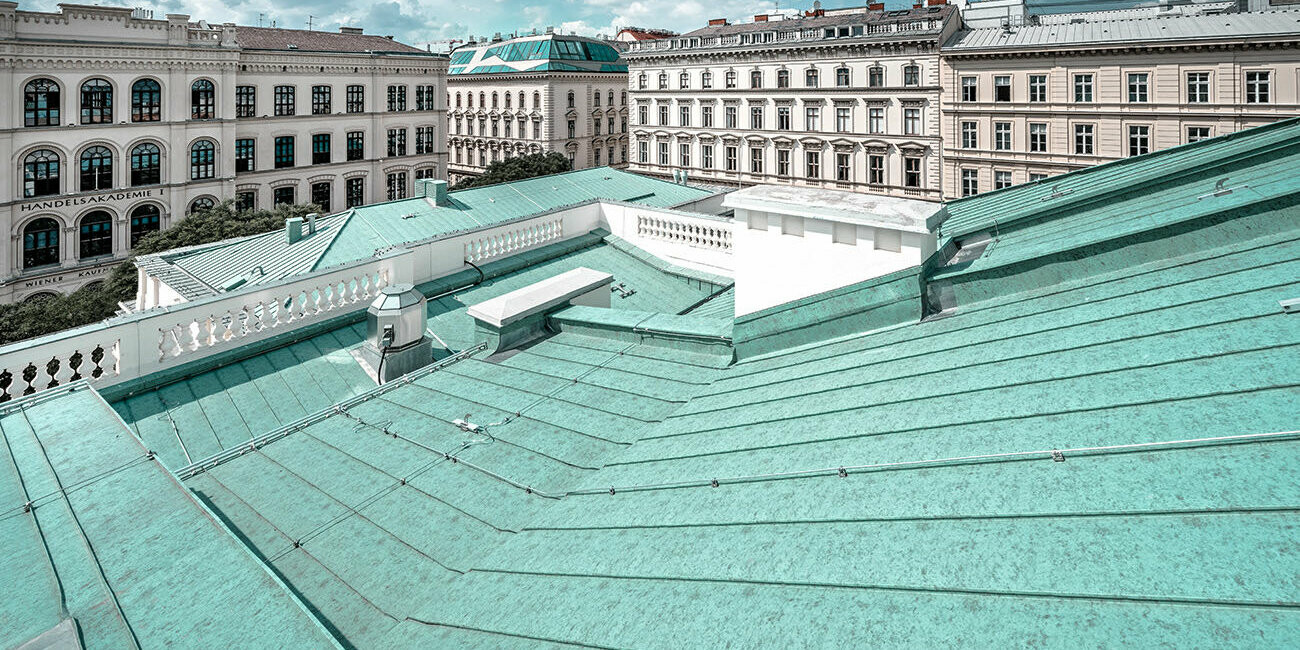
(876, 6)
(293, 227)
(350, 30)
(717, 22)
(760, 18)
(432, 189)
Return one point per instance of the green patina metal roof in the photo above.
(359, 232)
(215, 409)
(1098, 446)
(114, 542)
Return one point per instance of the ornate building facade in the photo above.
(536, 94)
(120, 125)
(1056, 94)
(844, 98)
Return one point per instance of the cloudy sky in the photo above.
(422, 21)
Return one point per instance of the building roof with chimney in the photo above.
(302, 40)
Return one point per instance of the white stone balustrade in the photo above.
(508, 242)
(691, 232)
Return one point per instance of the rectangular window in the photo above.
(875, 76)
(729, 117)
(875, 120)
(1034, 178)
(813, 164)
(912, 75)
(245, 155)
(970, 184)
(876, 169)
(1138, 88)
(730, 155)
(1139, 140)
(912, 121)
(356, 192)
(684, 115)
(1197, 133)
(706, 80)
(1083, 88)
(782, 162)
(356, 145)
(756, 118)
(426, 98)
(321, 100)
(245, 201)
(969, 135)
(396, 99)
(970, 89)
(810, 78)
(706, 156)
(843, 167)
(396, 142)
(684, 155)
(245, 101)
(320, 195)
(706, 116)
(1198, 87)
(663, 153)
(782, 78)
(1083, 139)
(284, 195)
(755, 79)
(643, 114)
(424, 139)
(356, 99)
(396, 186)
(1258, 87)
(756, 160)
(1037, 87)
(284, 151)
(663, 115)
(284, 100)
(320, 149)
(1002, 136)
(783, 118)
(1002, 88)
(812, 119)
(1038, 137)
(643, 152)
(1001, 180)
(843, 119)
(842, 77)
(912, 172)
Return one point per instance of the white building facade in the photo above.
(845, 99)
(121, 125)
(536, 94)
(1032, 101)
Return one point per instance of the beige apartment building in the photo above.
(536, 94)
(843, 98)
(120, 125)
(1029, 101)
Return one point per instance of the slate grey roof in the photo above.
(1261, 24)
(864, 17)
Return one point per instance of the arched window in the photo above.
(457, 100)
(508, 100)
(570, 99)
(96, 234)
(482, 100)
(595, 98)
(537, 100)
(640, 81)
(521, 99)
(622, 99)
(146, 164)
(203, 160)
(912, 75)
(684, 80)
(203, 100)
(96, 169)
(96, 102)
(663, 80)
(200, 204)
(494, 100)
(40, 173)
(41, 103)
(146, 101)
(611, 98)
(469, 100)
(41, 243)
(144, 220)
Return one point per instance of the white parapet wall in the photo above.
(794, 242)
(692, 240)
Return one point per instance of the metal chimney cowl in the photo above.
(401, 309)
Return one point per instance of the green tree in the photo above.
(518, 169)
(97, 301)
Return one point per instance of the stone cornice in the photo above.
(1085, 50)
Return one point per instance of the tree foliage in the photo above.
(97, 301)
(518, 169)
